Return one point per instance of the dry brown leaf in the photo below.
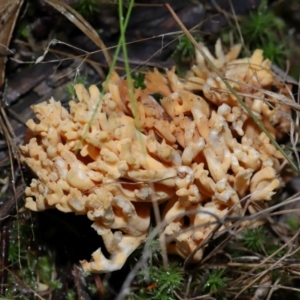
(9, 11)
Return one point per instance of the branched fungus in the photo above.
(198, 152)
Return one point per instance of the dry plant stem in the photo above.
(236, 224)
(280, 99)
(13, 153)
(238, 28)
(297, 126)
(11, 202)
(125, 289)
(93, 52)
(202, 283)
(82, 24)
(99, 285)
(264, 287)
(24, 286)
(205, 297)
(286, 211)
(189, 281)
(243, 104)
(162, 238)
(215, 250)
(8, 127)
(159, 66)
(188, 260)
(5, 228)
(262, 214)
(13, 150)
(287, 288)
(262, 263)
(5, 225)
(251, 265)
(80, 283)
(178, 297)
(95, 65)
(120, 59)
(219, 222)
(15, 115)
(112, 65)
(275, 230)
(9, 10)
(225, 13)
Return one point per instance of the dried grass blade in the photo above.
(9, 11)
(73, 16)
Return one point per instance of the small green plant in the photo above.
(216, 281)
(254, 239)
(25, 31)
(139, 80)
(71, 295)
(184, 54)
(87, 8)
(277, 53)
(185, 50)
(293, 223)
(45, 271)
(13, 252)
(161, 282)
(253, 29)
(256, 35)
(81, 79)
(32, 267)
(156, 281)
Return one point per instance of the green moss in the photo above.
(139, 80)
(25, 31)
(185, 50)
(27, 264)
(263, 29)
(216, 281)
(184, 54)
(254, 26)
(161, 283)
(71, 295)
(81, 79)
(293, 223)
(87, 8)
(254, 239)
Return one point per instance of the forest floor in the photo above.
(73, 41)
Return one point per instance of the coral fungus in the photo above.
(197, 151)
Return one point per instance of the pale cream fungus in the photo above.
(196, 153)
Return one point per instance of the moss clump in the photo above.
(253, 30)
